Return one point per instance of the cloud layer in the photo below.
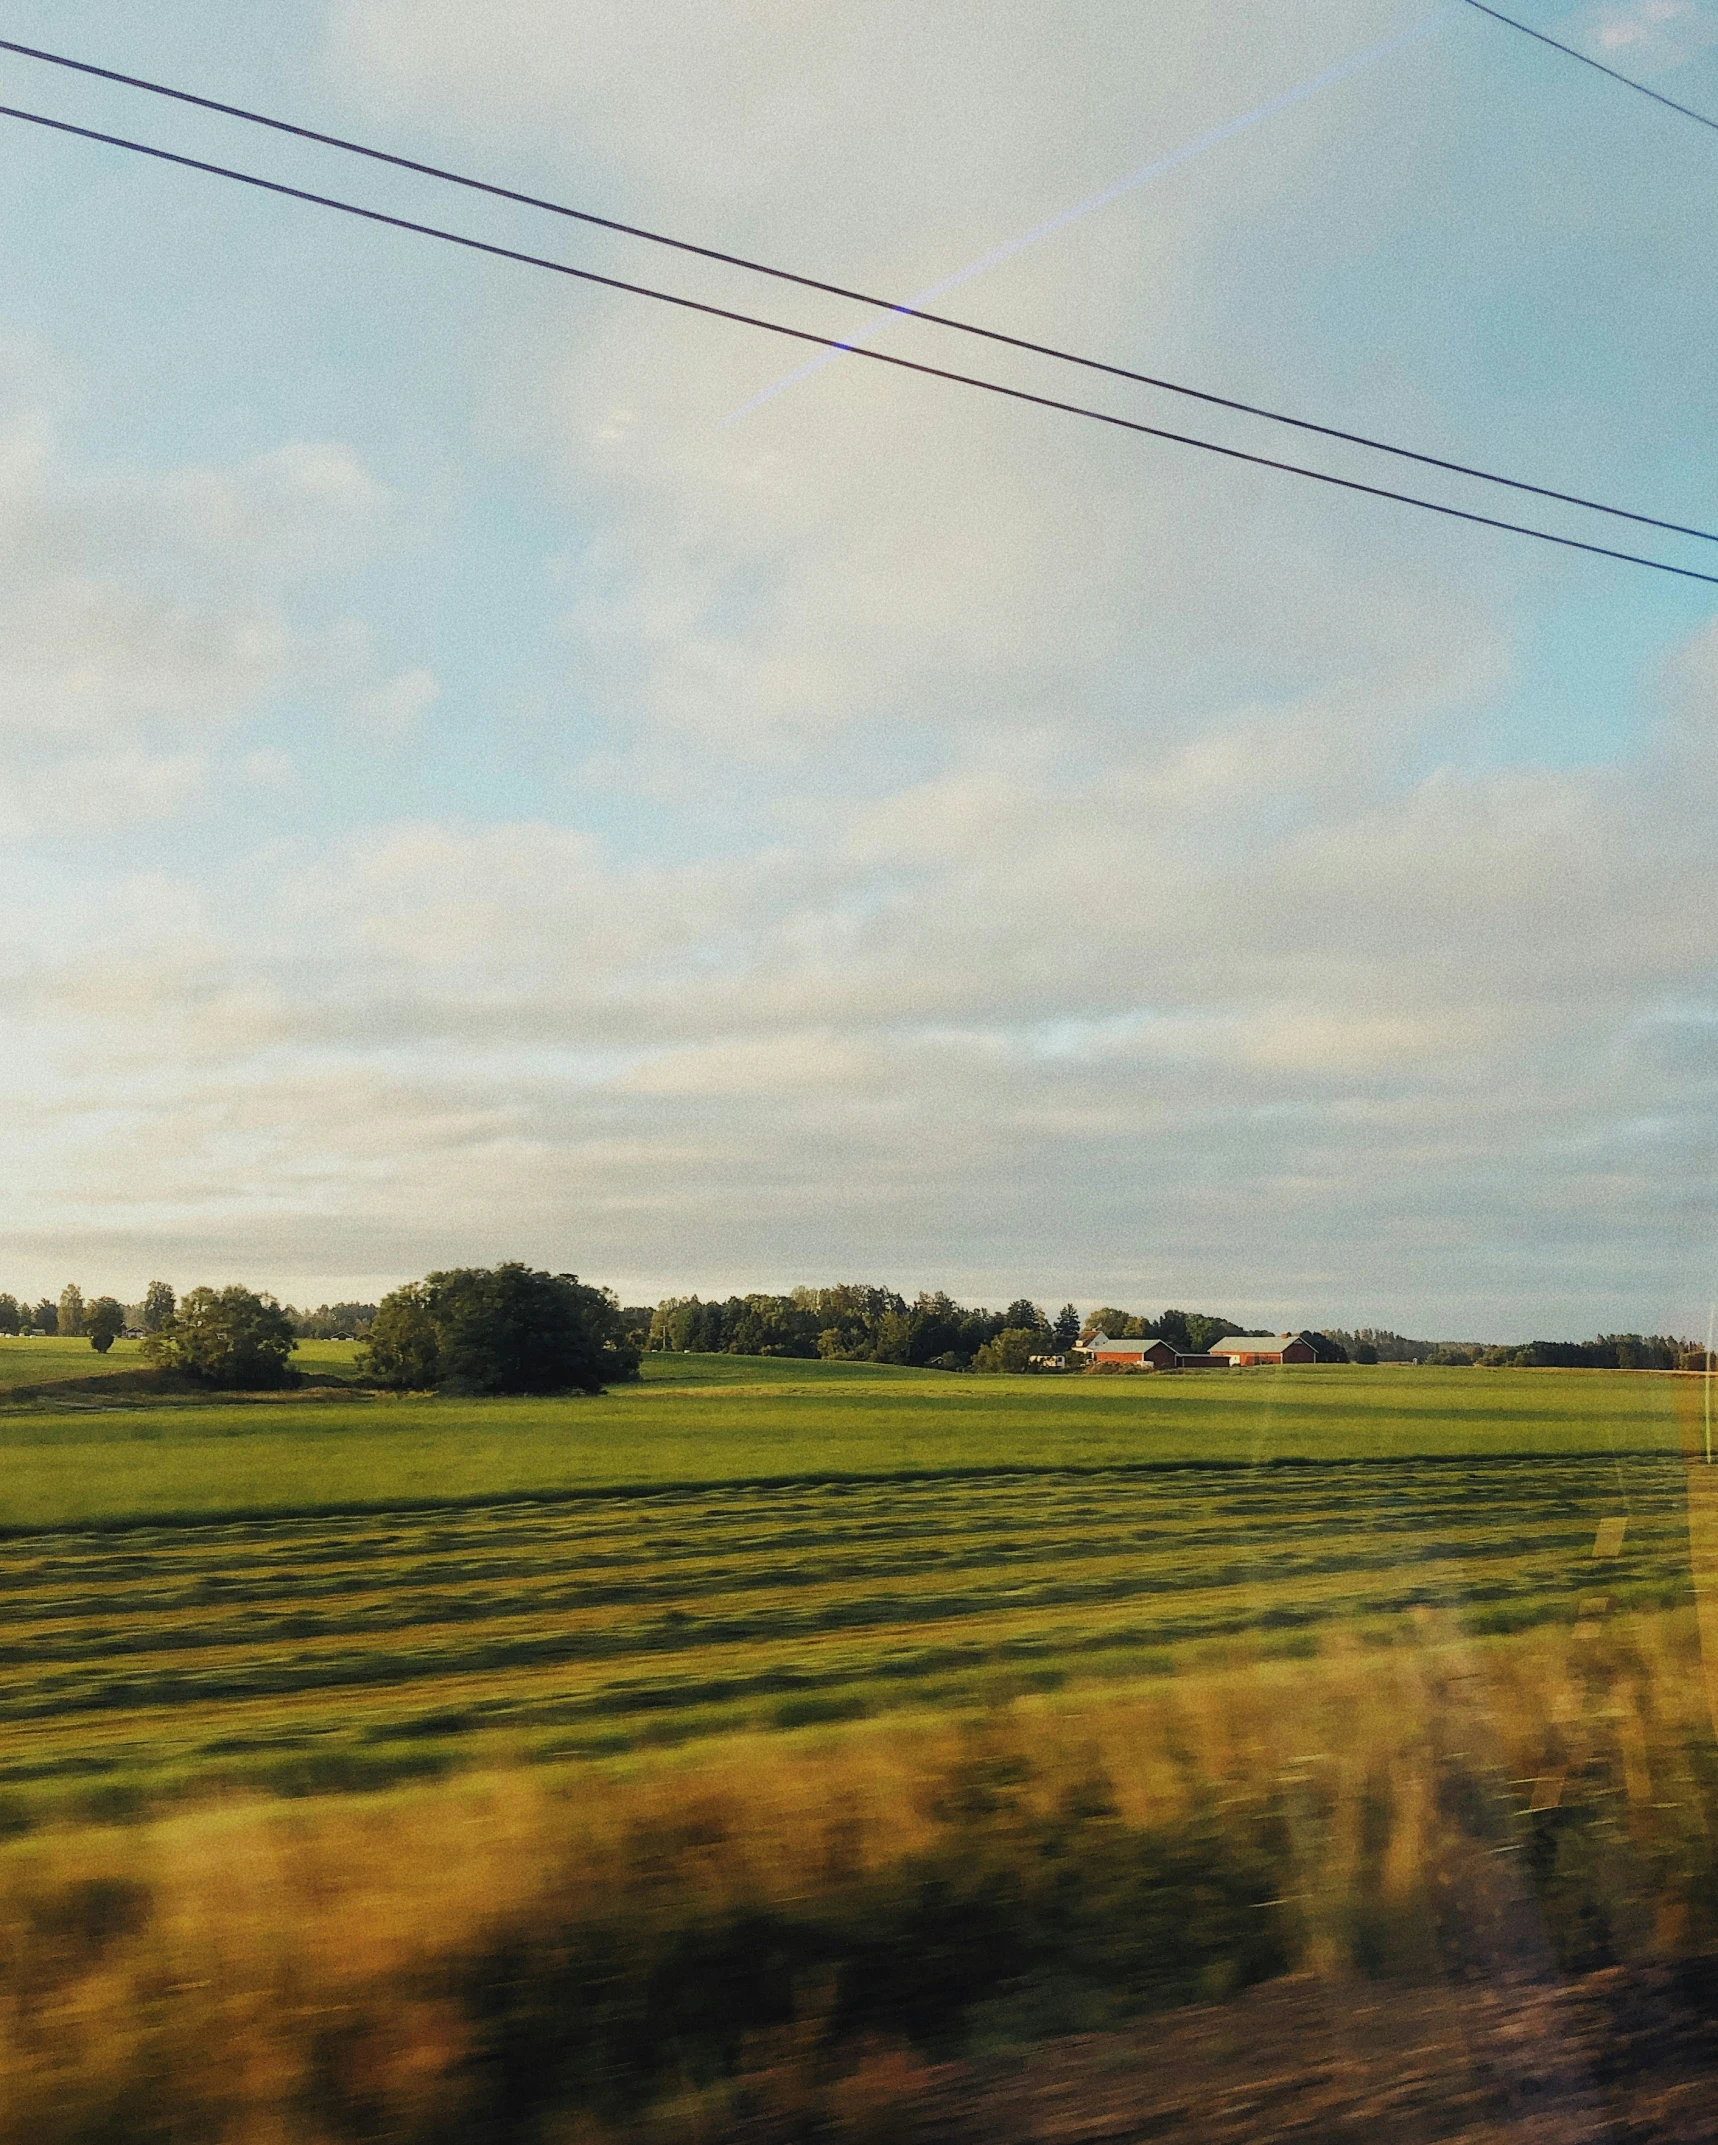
(963, 847)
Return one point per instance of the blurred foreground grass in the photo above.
(777, 1936)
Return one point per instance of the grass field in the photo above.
(306, 1592)
(714, 1419)
(691, 1721)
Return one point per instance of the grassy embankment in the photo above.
(869, 1713)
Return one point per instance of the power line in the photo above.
(827, 342)
(1586, 59)
(839, 290)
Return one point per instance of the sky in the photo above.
(482, 777)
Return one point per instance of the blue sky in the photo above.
(462, 797)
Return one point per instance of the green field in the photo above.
(333, 1589)
(712, 1419)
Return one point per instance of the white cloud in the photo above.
(270, 769)
(1644, 37)
(395, 708)
(1103, 1050)
(91, 793)
(142, 611)
(83, 659)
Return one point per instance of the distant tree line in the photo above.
(103, 1319)
(505, 1329)
(1611, 1351)
(100, 1319)
(1377, 1344)
(1190, 1332)
(862, 1323)
(856, 1322)
(511, 1329)
(332, 1321)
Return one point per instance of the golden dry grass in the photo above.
(268, 1974)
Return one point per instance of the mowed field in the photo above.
(83, 1446)
(764, 1750)
(331, 1590)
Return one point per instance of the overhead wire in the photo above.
(703, 307)
(839, 345)
(1573, 52)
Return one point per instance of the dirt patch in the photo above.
(1617, 2058)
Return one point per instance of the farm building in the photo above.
(1240, 1350)
(1131, 1355)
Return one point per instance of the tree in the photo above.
(944, 1334)
(69, 1318)
(159, 1306)
(11, 1317)
(1119, 1325)
(405, 1347)
(1194, 1331)
(503, 1329)
(229, 1336)
(44, 1317)
(1012, 1350)
(894, 1340)
(1066, 1329)
(104, 1322)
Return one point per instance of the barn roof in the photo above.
(1251, 1343)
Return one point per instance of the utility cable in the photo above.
(859, 297)
(1586, 59)
(828, 342)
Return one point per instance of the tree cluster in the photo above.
(228, 1337)
(18, 1315)
(502, 1329)
(333, 1321)
(1377, 1344)
(1610, 1351)
(856, 1322)
(99, 1319)
(1189, 1332)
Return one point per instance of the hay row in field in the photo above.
(223, 1651)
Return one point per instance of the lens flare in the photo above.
(1159, 168)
